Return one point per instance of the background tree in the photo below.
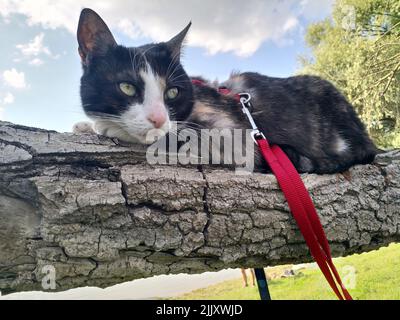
(358, 49)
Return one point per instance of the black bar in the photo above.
(262, 284)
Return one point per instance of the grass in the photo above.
(377, 276)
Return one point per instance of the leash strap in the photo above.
(304, 213)
(299, 202)
(262, 284)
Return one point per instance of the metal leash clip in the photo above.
(245, 100)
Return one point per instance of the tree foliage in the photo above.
(358, 49)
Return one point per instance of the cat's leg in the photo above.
(103, 128)
(113, 130)
(84, 127)
(344, 152)
(300, 162)
(331, 165)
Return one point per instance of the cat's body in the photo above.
(127, 91)
(305, 115)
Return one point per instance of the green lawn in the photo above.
(377, 277)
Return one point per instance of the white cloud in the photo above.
(5, 99)
(129, 28)
(36, 62)
(33, 49)
(219, 26)
(14, 79)
(290, 24)
(8, 98)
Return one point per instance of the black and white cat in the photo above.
(130, 91)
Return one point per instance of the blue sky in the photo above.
(40, 68)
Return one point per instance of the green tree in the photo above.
(358, 49)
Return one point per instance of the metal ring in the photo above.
(256, 133)
(245, 97)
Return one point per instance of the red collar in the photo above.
(222, 90)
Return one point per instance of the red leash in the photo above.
(298, 198)
(304, 213)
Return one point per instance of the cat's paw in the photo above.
(113, 130)
(83, 128)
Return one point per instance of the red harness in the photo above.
(299, 201)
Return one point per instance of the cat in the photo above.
(129, 91)
(306, 116)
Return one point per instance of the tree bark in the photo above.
(100, 215)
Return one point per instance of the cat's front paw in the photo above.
(114, 131)
(84, 127)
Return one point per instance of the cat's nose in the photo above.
(157, 119)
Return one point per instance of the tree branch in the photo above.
(98, 214)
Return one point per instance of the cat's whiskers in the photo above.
(189, 126)
(104, 116)
(143, 54)
(123, 128)
(174, 60)
(190, 123)
(135, 62)
(176, 68)
(177, 77)
(132, 61)
(119, 122)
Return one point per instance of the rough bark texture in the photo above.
(100, 215)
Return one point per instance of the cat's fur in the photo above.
(306, 116)
(152, 69)
(309, 118)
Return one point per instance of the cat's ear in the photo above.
(93, 34)
(175, 44)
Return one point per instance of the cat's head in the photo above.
(132, 89)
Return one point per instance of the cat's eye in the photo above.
(172, 93)
(128, 89)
